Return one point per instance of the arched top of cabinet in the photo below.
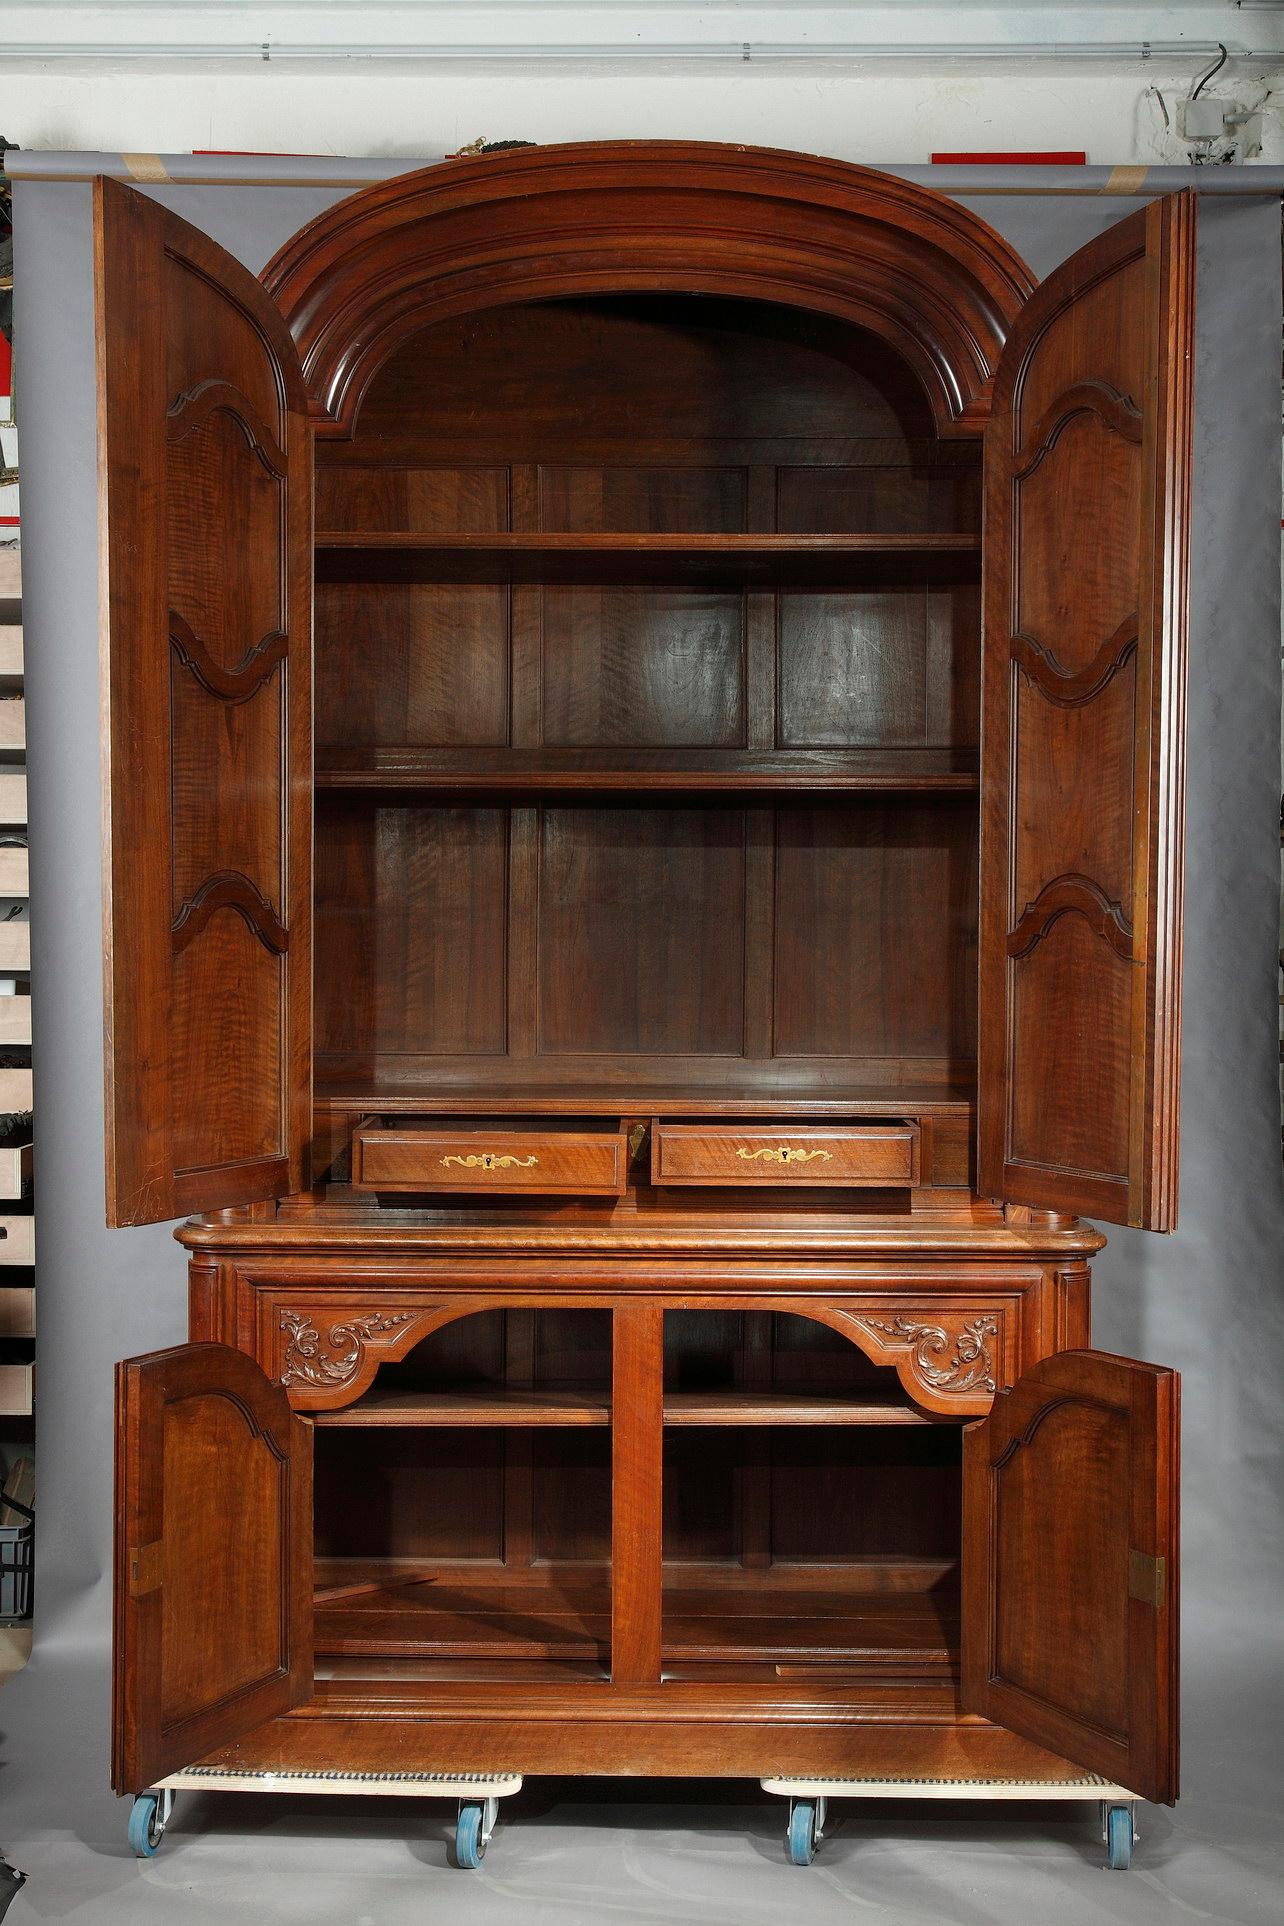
(547, 223)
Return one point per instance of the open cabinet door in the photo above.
(1070, 1512)
(1087, 458)
(213, 1615)
(205, 498)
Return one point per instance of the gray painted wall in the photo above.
(1207, 1299)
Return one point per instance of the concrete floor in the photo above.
(629, 1852)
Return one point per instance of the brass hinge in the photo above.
(1146, 1579)
(147, 1568)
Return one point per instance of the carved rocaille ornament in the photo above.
(950, 1361)
(334, 1361)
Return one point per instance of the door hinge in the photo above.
(147, 1568)
(1146, 1578)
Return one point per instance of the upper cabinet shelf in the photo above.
(773, 561)
(589, 772)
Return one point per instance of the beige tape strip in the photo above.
(146, 167)
(1126, 180)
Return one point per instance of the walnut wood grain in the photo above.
(213, 1618)
(806, 561)
(1070, 1586)
(1088, 460)
(547, 1161)
(573, 1408)
(637, 1524)
(648, 701)
(812, 1156)
(206, 463)
(915, 268)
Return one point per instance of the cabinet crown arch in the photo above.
(930, 277)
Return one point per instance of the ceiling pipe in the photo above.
(744, 52)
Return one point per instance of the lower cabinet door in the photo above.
(1070, 1530)
(213, 1583)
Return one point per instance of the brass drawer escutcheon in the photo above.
(787, 1154)
(491, 1160)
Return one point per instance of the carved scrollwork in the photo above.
(256, 666)
(491, 1160)
(1062, 896)
(1070, 688)
(193, 408)
(1118, 412)
(334, 1362)
(953, 1362)
(229, 889)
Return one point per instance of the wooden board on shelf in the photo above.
(15, 1019)
(11, 659)
(487, 1406)
(709, 1616)
(588, 772)
(17, 1238)
(15, 946)
(17, 1311)
(13, 723)
(15, 1169)
(807, 561)
(14, 871)
(13, 795)
(15, 1090)
(10, 573)
(374, 1095)
(16, 1386)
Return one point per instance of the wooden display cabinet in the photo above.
(640, 972)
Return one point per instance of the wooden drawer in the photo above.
(502, 1157)
(816, 1154)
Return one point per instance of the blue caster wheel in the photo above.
(148, 1818)
(806, 1821)
(1119, 1838)
(473, 1830)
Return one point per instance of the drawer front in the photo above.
(840, 1154)
(556, 1163)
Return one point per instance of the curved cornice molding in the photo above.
(544, 223)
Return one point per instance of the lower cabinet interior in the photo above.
(463, 1508)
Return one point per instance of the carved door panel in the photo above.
(205, 497)
(1070, 1523)
(1087, 500)
(213, 1614)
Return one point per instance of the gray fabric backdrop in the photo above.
(1207, 1299)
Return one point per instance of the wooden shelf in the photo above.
(773, 561)
(595, 772)
(434, 1094)
(419, 1409)
(757, 1408)
(862, 1615)
(416, 1409)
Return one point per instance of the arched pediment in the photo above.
(907, 263)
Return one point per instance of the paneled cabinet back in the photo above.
(698, 933)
